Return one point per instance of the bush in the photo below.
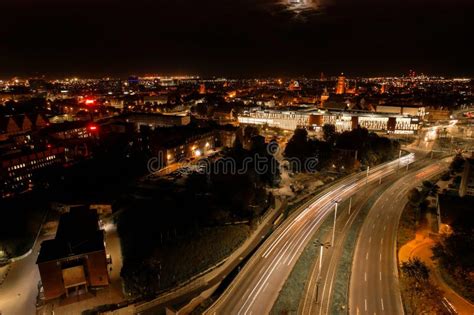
(177, 261)
(446, 176)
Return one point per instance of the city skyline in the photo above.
(322, 76)
(236, 157)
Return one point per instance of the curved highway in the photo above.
(374, 286)
(257, 286)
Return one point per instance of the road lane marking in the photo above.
(370, 239)
(305, 212)
(381, 301)
(267, 272)
(380, 275)
(384, 227)
(246, 291)
(367, 256)
(330, 290)
(278, 239)
(380, 256)
(381, 241)
(365, 303)
(281, 253)
(308, 293)
(365, 276)
(306, 233)
(256, 294)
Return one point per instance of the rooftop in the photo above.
(78, 233)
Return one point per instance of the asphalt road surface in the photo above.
(374, 286)
(318, 293)
(257, 286)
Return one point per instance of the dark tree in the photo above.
(297, 146)
(329, 133)
(420, 292)
(414, 197)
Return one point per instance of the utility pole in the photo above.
(321, 252)
(334, 224)
(367, 178)
(320, 259)
(438, 214)
(399, 157)
(350, 205)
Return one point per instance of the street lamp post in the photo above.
(334, 224)
(367, 177)
(399, 157)
(321, 252)
(438, 213)
(350, 205)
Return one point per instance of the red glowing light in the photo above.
(93, 128)
(90, 102)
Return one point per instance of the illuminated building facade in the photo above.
(466, 186)
(290, 120)
(190, 148)
(341, 84)
(181, 144)
(19, 171)
(71, 130)
(156, 120)
(287, 120)
(418, 111)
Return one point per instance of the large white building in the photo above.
(290, 120)
(287, 120)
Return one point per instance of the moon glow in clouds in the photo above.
(299, 9)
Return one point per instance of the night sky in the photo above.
(239, 38)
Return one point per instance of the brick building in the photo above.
(75, 259)
(20, 170)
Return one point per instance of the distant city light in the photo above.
(93, 128)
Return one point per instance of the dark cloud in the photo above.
(241, 37)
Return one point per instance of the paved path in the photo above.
(19, 291)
